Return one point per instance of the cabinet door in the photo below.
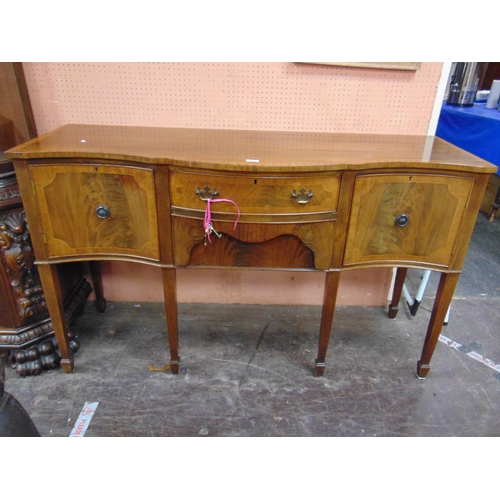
(98, 210)
(406, 218)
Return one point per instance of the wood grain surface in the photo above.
(68, 199)
(230, 149)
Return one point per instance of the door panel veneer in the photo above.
(433, 206)
(69, 197)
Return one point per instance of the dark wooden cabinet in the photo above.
(317, 202)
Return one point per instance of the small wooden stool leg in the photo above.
(495, 206)
(95, 272)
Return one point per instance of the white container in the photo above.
(492, 101)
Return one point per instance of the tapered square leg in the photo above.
(170, 292)
(53, 297)
(396, 294)
(446, 289)
(332, 280)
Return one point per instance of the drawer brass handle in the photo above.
(205, 193)
(102, 212)
(302, 197)
(402, 220)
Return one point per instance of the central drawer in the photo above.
(259, 194)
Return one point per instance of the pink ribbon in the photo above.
(208, 216)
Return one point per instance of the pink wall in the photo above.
(264, 96)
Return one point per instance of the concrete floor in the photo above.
(248, 370)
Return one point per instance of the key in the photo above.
(208, 232)
(212, 230)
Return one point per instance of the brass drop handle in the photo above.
(102, 212)
(205, 193)
(302, 197)
(402, 220)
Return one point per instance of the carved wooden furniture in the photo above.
(26, 334)
(311, 201)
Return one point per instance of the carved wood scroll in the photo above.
(18, 258)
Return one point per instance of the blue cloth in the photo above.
(475, 129)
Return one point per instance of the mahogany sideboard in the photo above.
(309, 201)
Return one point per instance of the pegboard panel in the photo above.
(262, 96)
